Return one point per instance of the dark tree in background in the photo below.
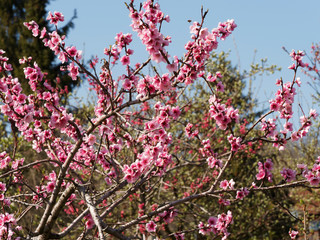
(18, 41)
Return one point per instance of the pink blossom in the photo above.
(265, 170)
(227, 184)
(235, 143)
(288, 174)
(90, 223)
(302, 166)
(218, 74)
(189, 132)
(3, 86)
(213, 162)
(268, 164)
(151, 226)
(295, 136)
(224, 184)
(50, 186)
(313, 113)
(54, 19)
(73, 71)
(220, 87)
(211, 78)
(172, 67)
(175, 112)
(125, 60)
(261, 175)
(293, 234)
(91, 139)
(242, 193)
(274, 106)
(52, 176)
(72, 51)
(3, 187)
(314, 180)
(7, 67)
(212, 221)
(288, 126)
(292, 66)
(231, 183)
(179, 236)
(43, 33)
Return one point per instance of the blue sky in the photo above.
(265, 26)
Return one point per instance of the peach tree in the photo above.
(113, 174)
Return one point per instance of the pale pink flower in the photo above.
(125, 60)
(90, 223)
(151, 226)
(72, 51)
(224, 184)
(73, 71)
(293, 234)
(50, 186)
(3, 187)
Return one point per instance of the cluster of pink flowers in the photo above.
(223, 201)
(297, 57)
(37, 116)
(269, 127)
(204, 42)
(206, 150)
(34, 75)
(214, 162)
(284, 100)
(122, 41)
(3, 199)
(313, 175)
(16, 106)
(168, 216)
(4, 160)
(150, 85)
(51, 184)
(145, 24)
(235, 143)
(55, 18)
(33, 26)
(179, 236)
(242, 193)
(217, 225)
(8, 226)
(156, 140)
(315, 59)
(222, 114)
(283, 103)
(55, 42)
(288, 174)
(190, 132)
(213, 78)
(225, 184)
(265, 170)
